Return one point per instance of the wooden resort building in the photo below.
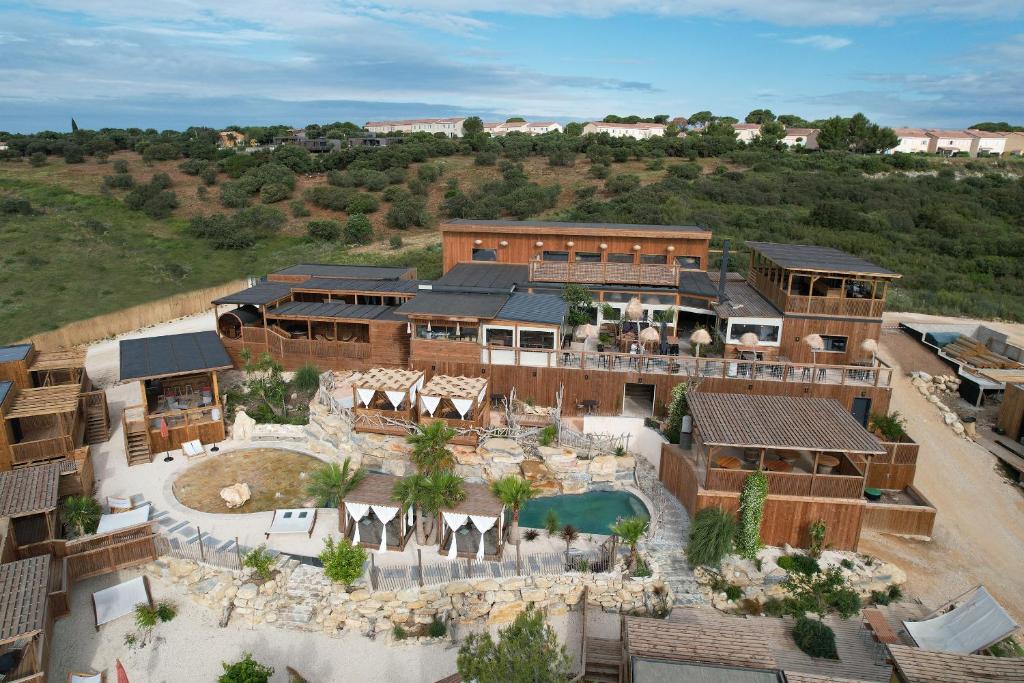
(370, 517)
(914, 665)
(28, 498)
(476, 527)
(179, 399)
(26, 618)
(817, 459)
(461, 403)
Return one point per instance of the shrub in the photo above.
(599, 171)
(358, 229)
(748, 533)
(361, 202)
(895, 592)
(375, 181)
(891, 426)
(274, 192)
(73, 154)
(307, 378)
(398, 633)
(343, 562)
(247, 670)
(547, 435)
(642, 569)
(325, 230)
(259, 560)
(880, 598)
(846, 563)
(120, 166)
(237, 164)
(298, 208)
(37, 159)
(802, 564)
(152, 199)
(15, 205)
(233, 196)
(81, 514)
(733, 592)
(395, 242)
(820, 593)
(437, 628)
(815, 638)
(209, 174)
(396, 175)
(531, 534)
(161, 151)
(486, 157)
(429, 173)
(416, 187)
(406, 213)
(562, 156)
(551, 523)
(193, 166)
(774, 607)
(711, 537)
(328, 197)
(585, 192)
(688, 171)
(623, 182)
(264, 221)
(817, 533)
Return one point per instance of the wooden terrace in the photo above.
(50, 368)
(46, 423)
(26, 618)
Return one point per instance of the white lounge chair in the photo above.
(118, 505)
(120, 600)
(975, 623)
(294, 521)
(193, 449)
(123, 520)
(79, 677)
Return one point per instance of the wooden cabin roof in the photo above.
(173, 354)
(29, 490)
(307, 310)
(45, 401)
(724, 640)
(810, 257)
(374, 286)
(341, 270)
(926, 666)
(58, 360)
(478, 501)
(449, 386)
(14, 352)
(374, 489)
(742, 300)
(454, 305)
(24, 585)
(563, 227)
(260, 294)
(817, 424)
(384, 379)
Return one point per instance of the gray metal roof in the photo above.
(484, 276)
(697, 283)
(14, 352)
(307, 309)
(258, 295)
(534, 308)
(172, 354)
(345, 271)
(558, 225)
(335, 284)
(812, 257)
(454, 304)
(5, 388)
(743, 300)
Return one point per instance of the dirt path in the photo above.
(979, 530)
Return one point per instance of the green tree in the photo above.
(430, 452)
(82, 514)
(343, 562)
(324, 230)
(580, 302)
(573, 129)
(472, 126)
(793, 121)
(527, 651)
(748, 534)
(246, 670)
(631, 530)
(358, 229)
(761, 116)
(412, 492)
(73, 154)
(331, 482)
(700, 118)
(444, 489)
(513, 491)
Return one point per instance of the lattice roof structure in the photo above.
(451, 386)
(45, 401)
(387, 379)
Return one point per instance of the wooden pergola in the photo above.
(476, 526)
(46, 423)
(459, 402)
(385, 393)
(370, 510)
(51, 368)
(25, 618)
(29, 497)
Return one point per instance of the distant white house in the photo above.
(803, 137)
(450, 127)
(498, 128)
(911, 141)
(987, 142)
(638, 131)
(746, 132)
(541, 127)
(950, 142)
(3, 146)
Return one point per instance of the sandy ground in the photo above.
(979, 529)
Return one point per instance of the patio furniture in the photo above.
(751, 455)
(120, 600)
(826, 463)
(778, 466)
(728, 462)
(294, 521)
(787, 456)
(81, 677)
(589, 405)
(123, 520)
(879, 627)
(193, 449)
(117, 505)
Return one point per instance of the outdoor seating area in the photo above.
(474, 528)
(53, 368)
(371, 517)
(459, 402)
(382, 393)
(44, 423)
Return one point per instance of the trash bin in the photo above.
(970, 424)
(686, 433)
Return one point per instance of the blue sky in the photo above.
(175, 63)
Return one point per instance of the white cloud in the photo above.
(821, 41)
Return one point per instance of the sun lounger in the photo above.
(78, 677)
(193, 449)
(123, 520)
(297, 521)
(117, 505)
(120, 600)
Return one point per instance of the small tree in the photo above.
(358, 229)
(579, 300)
(551, 523)
(343, 562)
(748, 535)
(147, 617)
(246, 670)
(569, 534)
(324, 230)
(815, 638)
(444, 489)
(331, 482)
(82, 514)
(631, 530)
(307, 378)
(527, 651)
(260, 560)
(430, 451)
(265, 381)
(514, 492)
(817, 533)
(711, 537)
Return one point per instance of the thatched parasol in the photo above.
(814, 342)
(700, 337)
(634, 309)
(749, 339)
(650, 335)
(870, 346)
(584, 332)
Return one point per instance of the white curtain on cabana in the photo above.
(483, 525)
(385, 514)
(455, 521)
(395, 397)
(462, 405)
(408, 519)
(365, 396)
(430, 403)
(356, 511)
(480, 397)
(413, 389)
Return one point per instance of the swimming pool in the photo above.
(592, 512)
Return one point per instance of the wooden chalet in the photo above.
(369, 511)
(462, 403)
(476, 527)
(817, 459)
(179, 399)
(26, 618)
(384, 400)
(29, 497)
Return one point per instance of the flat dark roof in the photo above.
(697, 283)
(575, 226)
(172, 354)
(484, 276)
(14, 352)
(534, 308)
(5, 388)
(454, 304)
(345, 271)
(743, 300)
(259, 295)
(823, 259)
(339, 310)
(358, 285)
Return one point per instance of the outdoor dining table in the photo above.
(728, 462)
(826, 463)
(778, 466)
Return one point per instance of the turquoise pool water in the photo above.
(592, 513)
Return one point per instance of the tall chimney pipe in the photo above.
(723, 273)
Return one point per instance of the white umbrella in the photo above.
(700, 337)
(870, 346)
(634, 309)
(749, 339)
(815, 343)
(650, 334)
(585, 332)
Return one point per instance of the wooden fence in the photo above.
(198, 552)
(679, 476)
(903, 520)
(100, 554)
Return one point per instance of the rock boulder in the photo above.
(236, 495)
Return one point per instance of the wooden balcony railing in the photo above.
(282, 346)
(815, 305)
(790, 483)
(605, 273)
(28, 452)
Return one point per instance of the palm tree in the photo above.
(82, 514)
(569, 534)
(444, 490)
(430, 451)
(514, 492)
(631, 530)
(411, 492)
(332, 482)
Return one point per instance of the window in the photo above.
(834, 343)
(498, 336)
(588, 256)
(765, 333)
(654, 259)
(485, 254)
(688, 262)
(556, 256)
(620, 257)
(536, 339)
(446, 331)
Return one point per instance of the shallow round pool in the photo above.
(592, 513)
(276, 477)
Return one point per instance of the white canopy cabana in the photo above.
(483, 512)
(976, 622)
(463, 394)
(386, 389)
(372, 518)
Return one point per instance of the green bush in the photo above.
(298, 208)
(774, 607)
(711, 537)
(274, 192)
(152, 198)
(120, 166)
(395, 242)
(895, 593)
(551, 523)
(437, 628)
(547, 435)
(416, 187)
(815, 638)
(748, 533)
(599, 171)
(307, 378)
(622, 183)
(685, 171)
(891, 426)
(585, 192)
(161, 151)
(375, 181)
(233, 196)
(259, 560)
(264, 221)
(343, 562)
(396, 175)
(193, 166)
(248, 670)
(37, 159)
(880, 598)
(486, 157)
(325, 230)
(429, 173)
(361, 202)
(209, 174)
(236, 165)
(328, 197)
(396, 192)
(406, 213)
(15, 206)
(803, 564)
(358, 230)
(846, 563)
(398, 633)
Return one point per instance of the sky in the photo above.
(177, 63)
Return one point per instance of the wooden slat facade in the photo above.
(795, 329)
(388, 345)
(1011, 412)
(904, 520)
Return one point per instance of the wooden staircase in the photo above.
(137, 448)
(603, 660)
(97, 417)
